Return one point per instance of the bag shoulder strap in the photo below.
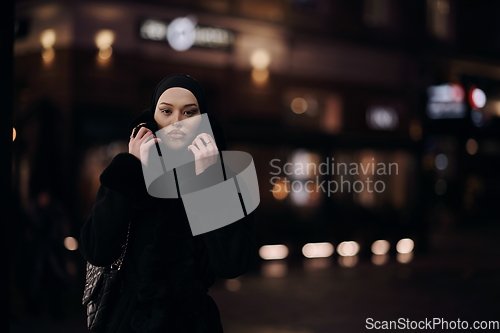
(118, 262)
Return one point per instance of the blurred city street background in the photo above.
(407, 90)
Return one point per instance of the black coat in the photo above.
(167, 271)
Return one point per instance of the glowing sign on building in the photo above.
(184, 32)
(446, 101)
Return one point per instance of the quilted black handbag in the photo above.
(102, 288)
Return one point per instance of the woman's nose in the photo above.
(177, 123)
(177, 120)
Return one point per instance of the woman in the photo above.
(167, 271)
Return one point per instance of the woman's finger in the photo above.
(134, 130)
(208, 141)
(200, 144)
(142, 131)
(147, 144)
(149, 135)
(193, 149)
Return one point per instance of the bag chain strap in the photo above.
(118, 262)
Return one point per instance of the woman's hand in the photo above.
(205, 152)
(140, 145)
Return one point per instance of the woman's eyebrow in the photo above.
(184, 105)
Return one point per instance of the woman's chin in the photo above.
(177, 146)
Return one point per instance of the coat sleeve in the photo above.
(232, 249)
(121, 195)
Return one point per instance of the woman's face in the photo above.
(176, 114)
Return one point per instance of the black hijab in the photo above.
(189, 83)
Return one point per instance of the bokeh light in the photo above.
(347, 249)
(260, 76)
(48, 38)
(312, 264)
(404, 258)
(471, 146)
(275, 269)
(281, 189)
(405, 245)
(349, 261)
(70, 243)
(104, 38)
(380, 247)
(298, 105)
(273, 252)
(380, 259)
(477, 98)
(105, 52)
(441, 161)
(317, 250)
(260, 59)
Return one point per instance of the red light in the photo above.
(457, 93)
(477, 97)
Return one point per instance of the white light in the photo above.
(212, 36)
(298, 194)
(154, 30)
(478, 98)
(260, 59)
(382, 118)
(48, 38)
(405, 245)
(181, 33)
(441, 161)
(380, 247)
(104, 38)
(347, 249)
(70, 243)
(317, 250)
(273, 252)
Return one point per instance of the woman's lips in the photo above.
(177, 134)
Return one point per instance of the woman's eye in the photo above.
(165, 111)
(191, 112)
